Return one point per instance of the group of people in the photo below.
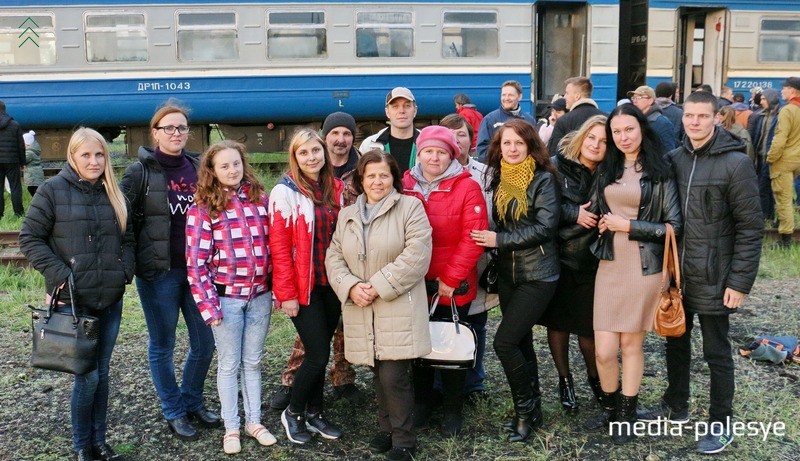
(355, 244)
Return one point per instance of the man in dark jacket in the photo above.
(12, 155)
(645, 99)
(720, 249)
(665, 99)
(510, 97)
(581, 106)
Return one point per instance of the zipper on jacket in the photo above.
(513, 267)
(686, 210)
(541, 248)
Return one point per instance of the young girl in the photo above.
(228, 262)
(303, 208)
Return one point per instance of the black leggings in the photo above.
(522, 305)
(315, 324)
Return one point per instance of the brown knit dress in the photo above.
(624, 299)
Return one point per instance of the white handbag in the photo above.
(452, 341)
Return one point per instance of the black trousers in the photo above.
(315, 324)
(716, 352)
(395, 401)
(10, 171)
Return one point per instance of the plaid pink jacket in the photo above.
(231, 250)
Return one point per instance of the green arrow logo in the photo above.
(28, 29)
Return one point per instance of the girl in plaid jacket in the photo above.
(229, 270)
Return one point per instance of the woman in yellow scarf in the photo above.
(526, 211)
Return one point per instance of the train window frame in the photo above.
(87, 29)
(447, 51)
(391, 31)
(44, 37)
(206, 27)
(766, 51)
(296, 27)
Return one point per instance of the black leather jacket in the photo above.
(659, 204)
(575, 181)
(527, 246)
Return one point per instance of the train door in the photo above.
(560, 48)
(702, 50)
(633, 25)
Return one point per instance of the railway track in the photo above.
(10, 254)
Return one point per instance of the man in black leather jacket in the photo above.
(720, 250)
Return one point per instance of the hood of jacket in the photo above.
(722, 141)
(587, 101)
(664, 102)
(773, 98)
(5, 119)
(425, 187)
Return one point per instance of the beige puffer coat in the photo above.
(395, 259)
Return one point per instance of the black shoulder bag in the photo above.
(64, 341)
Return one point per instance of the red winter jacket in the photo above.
(291, 239)
(454, 208)
(473, 117)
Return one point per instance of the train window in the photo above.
(384, 34)
(27, 40)
(297, 34)
(116, 37)
(779, 40)
(207, 36)
(469, 34)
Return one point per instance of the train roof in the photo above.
(96, 3)
(749, 5)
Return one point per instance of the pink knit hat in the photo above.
(438, 136)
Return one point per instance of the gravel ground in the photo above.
(35, 412)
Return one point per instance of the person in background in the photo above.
(382, 293)
(303, 208)
(160, 188)
(466, 109)
(711, 165)
(704, 87)
(764, 128)
(725, 96)
(399, 138)
(726, 117)
(636, 196)
(338, 131)
(581, 106)
(666, 93)
(571, 309)
(526, 213)
(644, 98)
(34, 174)
(510, 97)
(12, 156)
(82, 201)
(478, 314)
(783, 159)
(228, 266)
(558, 108)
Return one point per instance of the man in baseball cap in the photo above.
(644, 98)
(398, 139)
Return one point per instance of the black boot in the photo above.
(594, 384)
(626, 414)
(608, 413)
(526, 406)
(566, 391)
(785, 241)
(536, 395)
(453, 382)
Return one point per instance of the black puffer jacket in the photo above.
(723, 223)
(575, 181)
(12, 146)
(659, 204)
(581, 111)
(153, 230)
(527, 247)
(71, 226)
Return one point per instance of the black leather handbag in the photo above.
(488, 278)
(64, 341)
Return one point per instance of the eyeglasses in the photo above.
(635, 98)
(171, 129)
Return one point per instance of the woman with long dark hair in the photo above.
(303, 208)
(526, 213)
(635, 194)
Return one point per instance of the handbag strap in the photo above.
(670, 265)
(453, 310)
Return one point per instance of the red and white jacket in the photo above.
(231, 250)
(291, 230)
(454, 208)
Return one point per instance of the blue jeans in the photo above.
(476, 375)
(240, 341)
(162, 299)
(89, 403)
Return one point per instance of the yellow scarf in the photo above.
(514, 181)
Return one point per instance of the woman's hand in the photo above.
(291, 307)
(445, 290)
(613, 223)
(484, 238)
(362, 294)
(586, 218)
(216, 323)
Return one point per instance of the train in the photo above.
(259, 68)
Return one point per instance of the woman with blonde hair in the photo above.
(570, 310)
(77, 226)
(303, 208)
(727, 119)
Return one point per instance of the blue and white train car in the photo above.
(739, 43)
(110, 63)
